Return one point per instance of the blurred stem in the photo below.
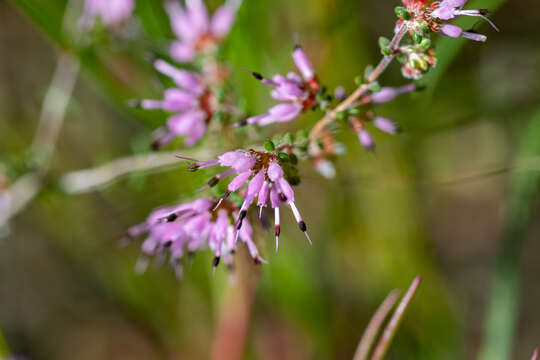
(362, 89)
(393, 324)
(233, 323)
(53, 111)
(4, 349)
(83, 181)
(362, 351)
(503, 301)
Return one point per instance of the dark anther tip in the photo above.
(257, 261)
(213, 181)
(483, 11)
(243, 214)
(282, 197)
(168, 244)
(256, 75)
(156, 145)
(225, 195)
(302, 226)
(239, 226)
(215, 262)
(193, 167)
(172, 217)
(297, 46)
(134, 103)
(277, 230)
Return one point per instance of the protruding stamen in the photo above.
(134, 103)
(223, 197)
(215, 264)
(142, 264)
(277, 228)
(479, 13)
(301, 223)
(261, 78)
(241, 218)
(213, 181)
(172, 217)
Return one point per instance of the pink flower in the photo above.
(111, 12)
(265, 181)
(450, 9)
(196, 32)
(299, 92)
(190, 227)
(387, 94)
(192, 103)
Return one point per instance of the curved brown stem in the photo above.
(362, 89)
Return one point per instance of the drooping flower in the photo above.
(192, 103)
(299, 93)
(196, 32)
(110, 12)
(383, 124)
(190, 227)
(389, 93)
(265, 179)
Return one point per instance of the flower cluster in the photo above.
(422, 15)
(190, 227)
(193, 103)
(263, 173)
(420, 18)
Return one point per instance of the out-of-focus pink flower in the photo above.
(110, 12)
(299, 92)
(265, 180)
(195, 30)
(191, 101)
(190, 227)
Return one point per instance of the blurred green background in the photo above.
(442, 199)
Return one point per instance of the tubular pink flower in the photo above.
(366, 140)
(385, 125)
(299, 92)
(302, 63)
(192, 102)
(387, 94)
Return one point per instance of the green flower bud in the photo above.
(284, 157)
(384, 42)
(269, 145)
(375, 87)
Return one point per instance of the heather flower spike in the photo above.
(190, 227)
(192, 102)
(299, 93)
(263, 173)
(195, 30)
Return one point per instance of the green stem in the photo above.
(503, 301)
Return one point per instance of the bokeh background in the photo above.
(452, 198)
